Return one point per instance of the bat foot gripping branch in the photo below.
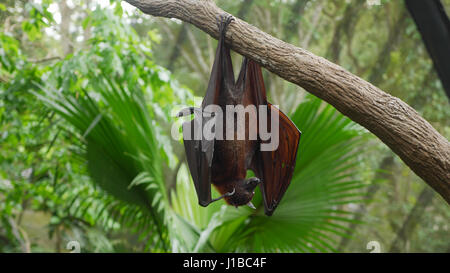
(223, 21)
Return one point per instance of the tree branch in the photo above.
(397, 124)
(46, 59)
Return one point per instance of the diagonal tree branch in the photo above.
(397, 124)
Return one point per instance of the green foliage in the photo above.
(85, 144)
(40, 17)
(102, 99)
(9, 52)
(119, 166)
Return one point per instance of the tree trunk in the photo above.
(297, 10)
(384, 173)
(66, 12)
(393, 40)
(346, 25)
(397, 124)
(424, 199)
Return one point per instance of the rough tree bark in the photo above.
(397, 124)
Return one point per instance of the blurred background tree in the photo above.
(87, 92)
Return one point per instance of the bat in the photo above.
(224, 162)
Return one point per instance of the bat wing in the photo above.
(222, 75)
(199, 160)
(274, 168)
(278, 165)
(200, 150)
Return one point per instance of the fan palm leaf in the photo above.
(122, 153)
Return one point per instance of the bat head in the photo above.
(244, 191)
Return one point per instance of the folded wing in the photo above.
(276, 167)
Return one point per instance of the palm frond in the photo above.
(120, 144)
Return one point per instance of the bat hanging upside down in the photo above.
(224, 162)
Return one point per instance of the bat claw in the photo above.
(223, 20)
(228, 194)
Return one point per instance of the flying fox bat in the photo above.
(224, 163)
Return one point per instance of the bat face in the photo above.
(224, 163)
(243, 192)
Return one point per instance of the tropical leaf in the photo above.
(128, 170)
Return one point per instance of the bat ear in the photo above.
(250, 204)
